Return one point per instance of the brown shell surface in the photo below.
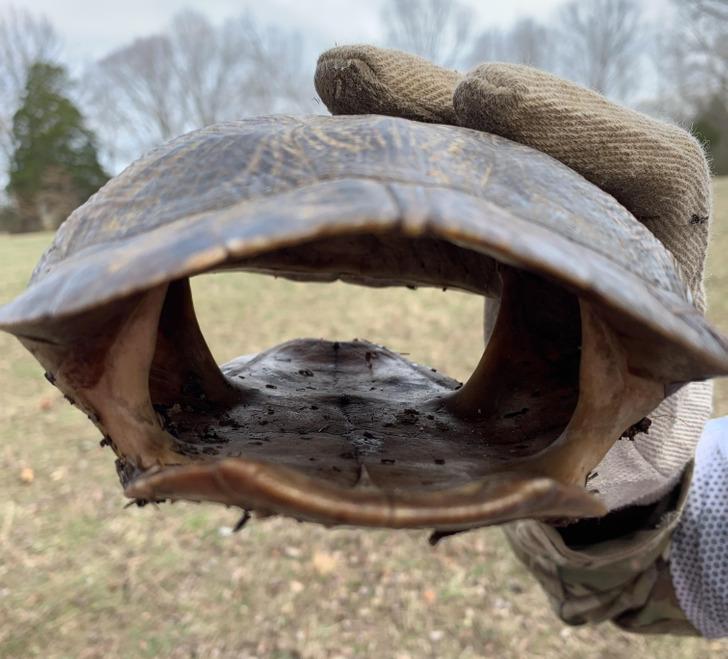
(240, 189)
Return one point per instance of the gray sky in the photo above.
(91, 28)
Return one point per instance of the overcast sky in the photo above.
(91, 28)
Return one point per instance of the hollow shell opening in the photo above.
(349, 432)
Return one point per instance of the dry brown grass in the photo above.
(80, 576)
(718, 279)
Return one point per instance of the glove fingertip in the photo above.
(363, 79)
(488, 98)
(346, 85)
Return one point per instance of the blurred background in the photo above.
(87, 87)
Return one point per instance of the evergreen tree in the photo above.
(54, 166)
(710, 126)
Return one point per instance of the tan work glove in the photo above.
(658, 172)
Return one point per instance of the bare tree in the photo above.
(489, 46)
(203, 62)
(691, 58)
(692, 63)
(530, 42)
(24, 38)
(192, 75)
(703, 44)
(715, 9)
(142, 78)
(602, 44)
(439, 30)
(276, 79)
(526, 42)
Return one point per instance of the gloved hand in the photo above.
(657, 171)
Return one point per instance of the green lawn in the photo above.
(80, 576)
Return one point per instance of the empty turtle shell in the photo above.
(595, 327)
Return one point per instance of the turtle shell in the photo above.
(376, 201)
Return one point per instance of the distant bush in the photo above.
(10, 221)
(710, 126)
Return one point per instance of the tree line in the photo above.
(60, 136)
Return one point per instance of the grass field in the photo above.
(80, 576)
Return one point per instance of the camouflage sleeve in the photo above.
(624, 578)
